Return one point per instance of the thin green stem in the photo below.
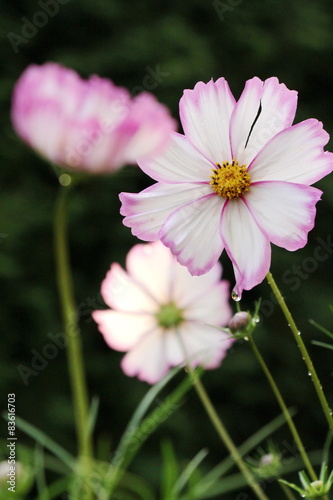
(305, 355)
(284, 409)
(222, 432)
(289, 494)
(72, 332)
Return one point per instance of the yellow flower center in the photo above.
(230, 180)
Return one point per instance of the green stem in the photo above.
(222, 432)
(289, 494)
(303, 350)
(284, 409)
(72, 332)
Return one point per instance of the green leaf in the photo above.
(170, 470)
(188, 471)
(139, 429)
(139, 414)
(46, 442)
(321, 328)
(322, 344)
(43, 493)
(93, 414)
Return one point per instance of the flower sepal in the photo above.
(268, 464)
(313, 489)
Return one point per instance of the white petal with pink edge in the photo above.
(204, 345)
(120, 291)
(147, 359)
(294, 155)
(284, 211)
(192, 234)
(147, 211)
(247, 247)
(211, 308)
(205, 113)
(180, 162)
(264, 109)
(152, 266)
(187, 288)
(122, 331)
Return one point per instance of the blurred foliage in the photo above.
(187, 41)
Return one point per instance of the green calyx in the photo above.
(169, 316)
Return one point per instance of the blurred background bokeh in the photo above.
(176, 44)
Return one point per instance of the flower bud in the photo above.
(239, 321)
(267, 465)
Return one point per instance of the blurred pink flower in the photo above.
(89, 125)
(237, 180)
(161, 315)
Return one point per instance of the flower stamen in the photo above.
(230, 180)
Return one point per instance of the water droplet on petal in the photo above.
(235, 296)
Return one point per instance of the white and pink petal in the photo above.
(205, 114)
(211, 307)
(152, 266)
(122, 331)
(146, 212)
(120, 291)
(179, 162)
(186, 289)
(191, 232)
(203, 344)
(294, 155)
(246, 245)
(264, 109)
(147, 359)
(284, 211)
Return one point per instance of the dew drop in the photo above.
(298, 333)
(309, 373)
(235, 296)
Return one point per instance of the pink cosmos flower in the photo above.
(237, 180)
(161, 315)
(87, 125)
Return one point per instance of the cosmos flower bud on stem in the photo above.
(243, 323)
(239, 321)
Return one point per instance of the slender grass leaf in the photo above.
(45, 441)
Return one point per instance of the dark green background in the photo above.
(189, 41)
